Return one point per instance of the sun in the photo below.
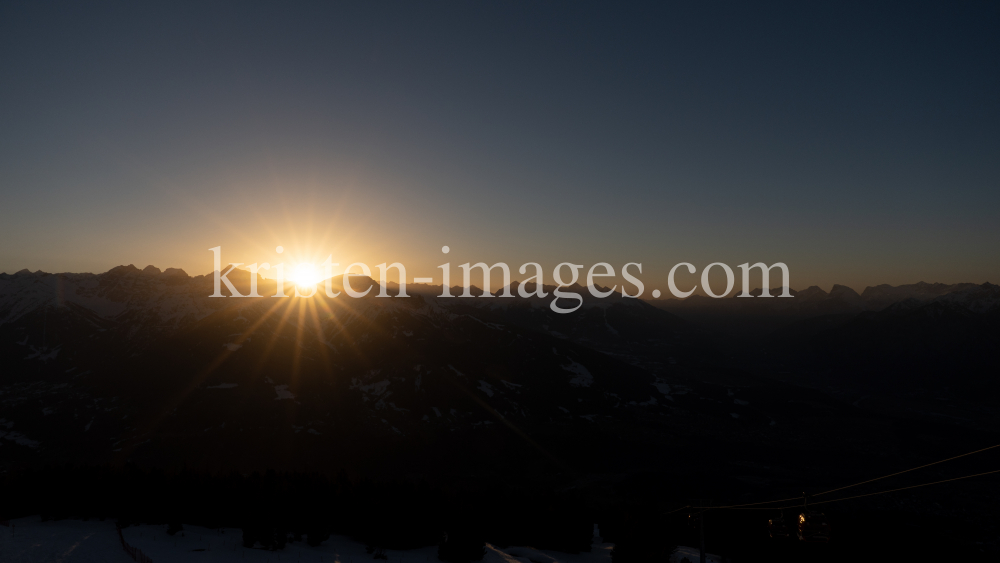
(305, 274)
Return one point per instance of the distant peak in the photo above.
(837, 288)
(774, 291)
(843, 291)
(813, 289)
(123, 269)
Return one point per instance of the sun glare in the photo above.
(305, 274)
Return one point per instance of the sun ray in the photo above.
(154, 420)
(277, 333)
(320, 335)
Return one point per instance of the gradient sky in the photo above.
(856, 143)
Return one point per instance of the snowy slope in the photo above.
(72, 541)
(76, 541)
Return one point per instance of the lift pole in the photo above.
(701, 524)
(701, 550)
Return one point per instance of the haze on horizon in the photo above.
(856, 144)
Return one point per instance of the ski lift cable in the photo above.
(901, 472)
(848, 486)
(858, 496)
(678, 510)
(910, 487)
(754, 503)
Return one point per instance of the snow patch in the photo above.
(581, 375)
(283, 392)
(370, 390)
(485, 387)
(19, 439)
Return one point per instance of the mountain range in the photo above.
(756, 396)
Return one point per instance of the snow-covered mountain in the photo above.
(120, 363)
(142, 366)
(881, 296)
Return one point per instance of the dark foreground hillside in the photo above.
(132, 395)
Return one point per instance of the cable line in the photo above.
(743, 506)
(901, 472)
(753, 503)
(905, 488)
(678, 510)
(860, 496)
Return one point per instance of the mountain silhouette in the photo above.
(140, 367)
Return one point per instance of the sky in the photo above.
(856, 143)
